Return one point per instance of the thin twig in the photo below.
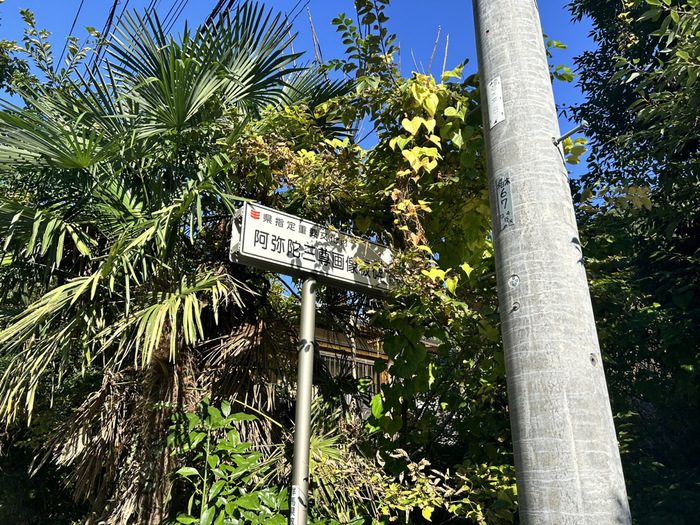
(314, 38)
(430, 64)
(295, 15)
(291, 44)
(415, 64)
(291, 291)
(444, 62)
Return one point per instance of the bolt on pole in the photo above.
(567, 459)
(302, 429)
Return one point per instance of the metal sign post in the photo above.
(272, 240)
(302, 426)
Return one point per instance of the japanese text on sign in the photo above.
(280, 242)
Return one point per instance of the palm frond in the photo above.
(239, 62)
(312, 87)
(33, 233)
(50, 138)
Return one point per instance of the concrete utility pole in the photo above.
(566, 453)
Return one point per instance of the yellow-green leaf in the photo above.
(431, 103)
(434, 273)
(413, 125)
(451, 285)
(467, 269)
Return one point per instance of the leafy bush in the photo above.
(224, 477)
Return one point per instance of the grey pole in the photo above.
(566, 453)
(302, 429)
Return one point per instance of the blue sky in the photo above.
(415, 22)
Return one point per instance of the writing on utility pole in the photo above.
(505, 202)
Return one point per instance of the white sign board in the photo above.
(279, 242)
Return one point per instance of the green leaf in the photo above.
(242, 417)
(454, 73)
(216, 489)
(187, 471)
(213, 461)
(207, 515)
(194, 439)
(377, 406)
(249, 501)
(392, 425)
(434, 273)
(215, 418)
(431, 103)
(467, 269)
(269, 498)
(451, 285)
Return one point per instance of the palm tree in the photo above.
(118, 189)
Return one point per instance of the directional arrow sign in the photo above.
(282, 243)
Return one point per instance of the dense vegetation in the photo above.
(121, 309)
(639, 214)
(153, 379)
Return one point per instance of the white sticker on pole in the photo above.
(295, 502)
(494, 99)
(505, 202)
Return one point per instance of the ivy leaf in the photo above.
(413, 125)
(451, 285)
(434, 273)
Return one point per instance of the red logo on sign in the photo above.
(255, 214)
